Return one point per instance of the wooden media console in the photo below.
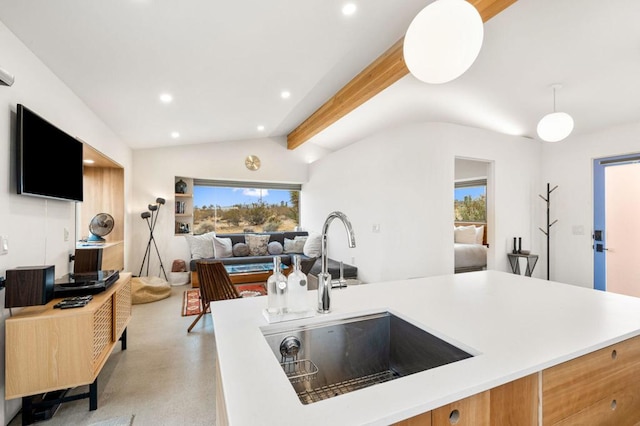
(49, 349)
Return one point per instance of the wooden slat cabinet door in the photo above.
(102, 335)
(121, 309)
(602, 383)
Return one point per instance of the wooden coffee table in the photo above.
(252, 272)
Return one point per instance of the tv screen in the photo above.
(49, 160)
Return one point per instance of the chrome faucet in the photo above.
(324, 278)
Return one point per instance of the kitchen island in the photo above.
(517, 329)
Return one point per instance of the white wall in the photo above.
(35, 226)
(155, 170)
(403, 180)
(569, 164)
(470, 169)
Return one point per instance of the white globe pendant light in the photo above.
(555, 126)
(443, 41)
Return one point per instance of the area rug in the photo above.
(191, 302)
(191, 299)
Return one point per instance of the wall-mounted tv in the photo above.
(49, 160)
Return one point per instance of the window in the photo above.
(231, 207)
(470, 201)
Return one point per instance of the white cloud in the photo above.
(252, 192)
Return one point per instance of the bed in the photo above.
(470, 247)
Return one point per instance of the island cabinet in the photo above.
(51, 349)
(600, 388)
(514, 403)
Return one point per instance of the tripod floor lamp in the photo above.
(151, 217)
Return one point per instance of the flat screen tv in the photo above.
(49, 160)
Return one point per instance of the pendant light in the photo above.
(443, 41)
(555, 126)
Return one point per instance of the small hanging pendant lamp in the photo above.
(555, 126)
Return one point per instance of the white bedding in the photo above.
(470, 255)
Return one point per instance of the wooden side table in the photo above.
(514, 261)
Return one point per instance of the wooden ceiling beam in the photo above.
(380, 74)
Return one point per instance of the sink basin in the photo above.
(341, 356)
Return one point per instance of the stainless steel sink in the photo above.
(337, 357)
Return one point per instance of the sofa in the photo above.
(245, 248)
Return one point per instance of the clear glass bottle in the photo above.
(297, 288)
(276, 289)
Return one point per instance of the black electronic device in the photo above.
(82, 284)
(73, 302)
(49, 161)
(29, 286)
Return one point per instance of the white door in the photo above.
(622, 224)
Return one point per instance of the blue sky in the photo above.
(225, 197)
(475, 192)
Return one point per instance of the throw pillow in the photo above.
(465, 234)
(479, 234)
(201, 246)
(294, 246)
(274, 248)
(240, 250)
(313, 245)
(222, 247)
(257, 244)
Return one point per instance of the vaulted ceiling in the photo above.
(226, 63)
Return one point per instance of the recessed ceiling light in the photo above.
(260, 128)
(285, 94)
(166, 98)
(349, 9)
(175, 135)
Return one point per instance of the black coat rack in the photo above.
(547, 232)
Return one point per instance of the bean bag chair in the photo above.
(149, 289)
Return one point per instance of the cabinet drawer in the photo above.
(620, 409)
(472, 411)
(587, 381)
(514, 403)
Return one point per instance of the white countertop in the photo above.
(514, 326)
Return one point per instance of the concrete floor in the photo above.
(165, 377)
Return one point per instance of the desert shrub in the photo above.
(204, 227)
(257, 214)
(233, 216)
(470, 209)
(271, 226)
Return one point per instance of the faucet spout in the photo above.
(324, 278)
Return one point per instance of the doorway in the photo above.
(616, 208)
(473, 198)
